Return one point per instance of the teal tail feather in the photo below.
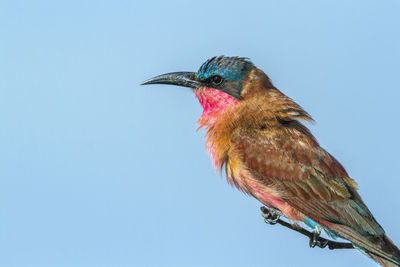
(379, 247)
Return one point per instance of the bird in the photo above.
(258, 136)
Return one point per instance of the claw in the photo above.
(271, 216)
(315, 240)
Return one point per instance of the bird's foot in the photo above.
(271, 216)
(316, 241)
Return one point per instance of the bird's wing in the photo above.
(289, 160)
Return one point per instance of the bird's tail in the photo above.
(388, 247)
(383, 262)
(378, 247)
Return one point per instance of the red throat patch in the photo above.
(213, 102)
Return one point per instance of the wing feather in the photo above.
(309, 178)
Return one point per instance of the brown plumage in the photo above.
(256, 133)
(267, 150)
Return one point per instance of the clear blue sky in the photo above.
(96, 170)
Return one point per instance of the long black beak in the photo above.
(186, 79)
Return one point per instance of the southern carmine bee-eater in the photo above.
(256, 134)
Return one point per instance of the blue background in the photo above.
(96, 170)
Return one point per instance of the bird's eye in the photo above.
(216, 79)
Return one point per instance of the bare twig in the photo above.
(314, 240)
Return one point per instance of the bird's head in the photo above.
(225, 74)
(219, 83)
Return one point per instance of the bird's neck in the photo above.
(214, 103)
